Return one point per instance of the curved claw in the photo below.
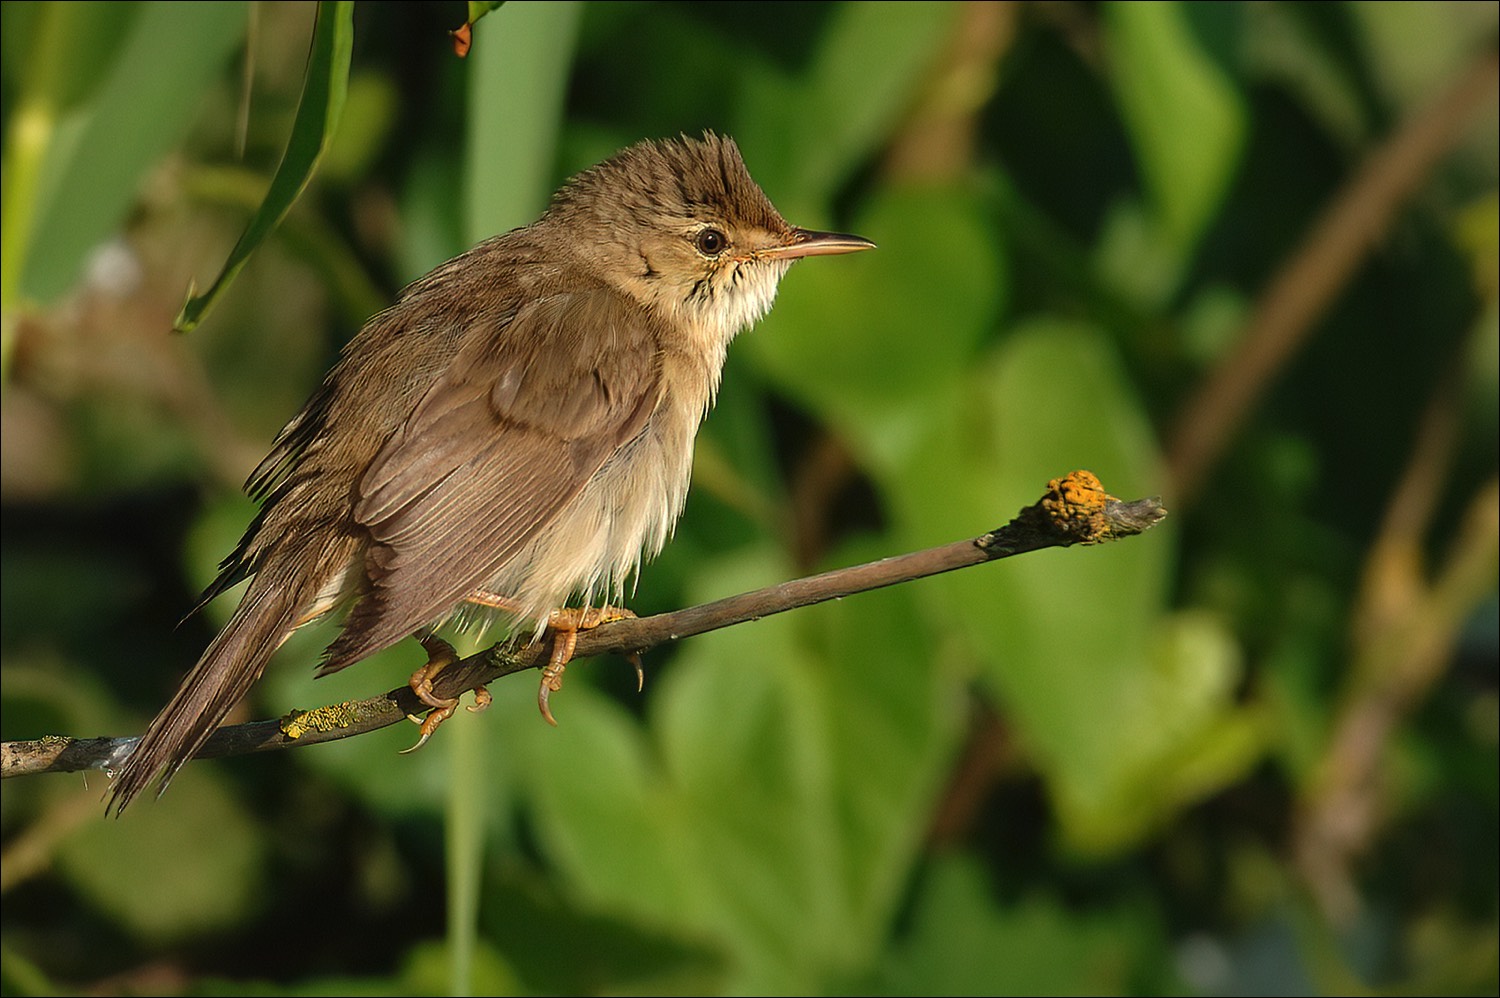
(420, 742)
(563, 643)
(440, 655)
(564, 626)
(543, 693)
(436, 717)
(443, 710)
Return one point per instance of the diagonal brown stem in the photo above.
(1286, 312)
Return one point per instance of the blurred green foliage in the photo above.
(1253, 751)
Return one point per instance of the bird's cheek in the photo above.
(659, 257)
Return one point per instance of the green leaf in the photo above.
(323, 94)
(1185, 116)
(965, 941)
(479, 8)
(1413, 49)
(133, 869)
(784, 796)
(518, 80)
(863, 76)
(1112, 698)
(106, 89)
(862, 340)
(1174, 737)
(421, 973)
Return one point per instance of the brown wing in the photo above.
(509, 434)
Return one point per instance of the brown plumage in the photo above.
(520, 422)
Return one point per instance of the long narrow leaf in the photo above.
(479, 8)
(323, 94)
(102, 93)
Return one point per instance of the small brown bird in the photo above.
(515, 432)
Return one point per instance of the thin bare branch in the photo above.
(1075, 510)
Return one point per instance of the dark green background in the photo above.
(1082, 771)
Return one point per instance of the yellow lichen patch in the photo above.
(332, 717)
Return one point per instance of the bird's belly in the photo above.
(623, 515)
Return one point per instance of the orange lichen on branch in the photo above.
(1077, 504)
(1074, 510)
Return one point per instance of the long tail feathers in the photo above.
(231, 664)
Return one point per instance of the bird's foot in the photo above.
(563, 625)
(440, 655)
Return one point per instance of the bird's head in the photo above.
(680, 226)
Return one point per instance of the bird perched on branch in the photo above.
(514, 433)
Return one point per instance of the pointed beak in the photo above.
(806, 242)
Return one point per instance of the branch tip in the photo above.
(1074, 510)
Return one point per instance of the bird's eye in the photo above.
(711, 242)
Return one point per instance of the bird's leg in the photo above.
(440, 655)
(563, 625)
